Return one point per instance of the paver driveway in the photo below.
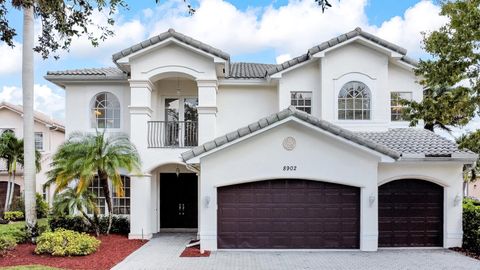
(163, 253)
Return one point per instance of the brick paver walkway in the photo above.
(163, 253)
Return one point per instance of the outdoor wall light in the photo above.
(457, 200)
(206, 201)
(371, 199)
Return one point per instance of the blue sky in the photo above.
(257, 31)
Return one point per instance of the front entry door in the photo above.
(178, 200)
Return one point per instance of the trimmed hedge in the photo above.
(120, 225)
(471, 225)
(66, 243)
(13, 215)
(7, 242)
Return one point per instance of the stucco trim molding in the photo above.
(414, 176)
(140, 110)
(141, 84)
(207, 109)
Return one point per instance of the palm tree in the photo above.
(12, 151)
(28, 123)
(85, 157)
(70, 201)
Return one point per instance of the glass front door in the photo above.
(181, 122)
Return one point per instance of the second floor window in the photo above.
(396, 106)
(105, 111)
(301, 101)
(39, 141)
(354, 102)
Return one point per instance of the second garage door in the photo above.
(288, 213)
(410, 214)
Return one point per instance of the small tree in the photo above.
(452, 74)
(84, 157)
(71, 201)
(11, 150)
(471, 142)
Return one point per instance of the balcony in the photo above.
(172, 134)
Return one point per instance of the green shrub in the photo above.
(471, 225)
(66, 243)
(120, 225)
(13, 215)
(7, 242)
(74, 223)
(18, 204)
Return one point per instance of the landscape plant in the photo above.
(85, 157)
(7, 243)
(13, 215)
(66, 243)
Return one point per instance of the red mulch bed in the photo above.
(112, 250)
(194, 251)
(466, 252)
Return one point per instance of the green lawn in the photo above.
(16, 228)
(29, 267)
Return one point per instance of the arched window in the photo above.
(354, 102)
(105, 111)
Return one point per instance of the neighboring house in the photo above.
(311, 153)
(49, 134)
(473, 189)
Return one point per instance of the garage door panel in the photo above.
(410, 214)
(294, 214)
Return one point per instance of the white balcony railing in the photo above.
(175, 134)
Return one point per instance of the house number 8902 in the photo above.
(289, 168)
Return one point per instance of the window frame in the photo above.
(304, 106)
(93, 109)
(42, 141)
(126, 200)
(363, 111)
(400, 115)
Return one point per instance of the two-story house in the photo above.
(313, 153)
(49, 135)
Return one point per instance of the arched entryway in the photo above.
(288, 213)
(410, 214)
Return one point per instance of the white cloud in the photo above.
(11, 58)
(290, 29)
(283, 58)
(126, 33)
(47, 100)
(405, 31)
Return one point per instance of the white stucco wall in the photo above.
(78, 98)
(356, 62)
(304, 78)
(239, 106)
(317, 156)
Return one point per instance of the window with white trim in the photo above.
(354, 102)
(39, 141)
(301, 100)
(121, 205)
(105, 111)
(396, 106)
(97, 190)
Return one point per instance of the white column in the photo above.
(141, 185)
(140, 207)
(140, 112)
(369, 217)
(207, 110)
(453, 212)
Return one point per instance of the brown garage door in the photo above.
(3, 194)
(410, 214)
(288, 213)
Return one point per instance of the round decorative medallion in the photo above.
(289, 143)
